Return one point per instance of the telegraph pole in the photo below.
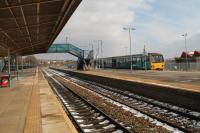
(186, 56)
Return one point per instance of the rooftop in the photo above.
(31, 26)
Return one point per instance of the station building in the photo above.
(193, 56)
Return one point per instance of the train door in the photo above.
(114, 63)
(145, 63)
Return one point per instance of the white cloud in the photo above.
(163, 26)
(158, 23)
(103, 19)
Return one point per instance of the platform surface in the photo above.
(32, 107)
(14, 103)
(54, 119)
(182, 80)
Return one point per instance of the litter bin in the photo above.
(5, 81)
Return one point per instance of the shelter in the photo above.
(31, 26)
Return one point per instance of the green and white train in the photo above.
(151, 61)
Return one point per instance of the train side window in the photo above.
(134, 59)
(138, 59)
(124, 59)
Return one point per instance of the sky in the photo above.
(159, 25)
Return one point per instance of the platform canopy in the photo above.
(31, 26)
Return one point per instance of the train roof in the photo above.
(155, 53)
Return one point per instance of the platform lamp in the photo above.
(129, 29)
(186, 56)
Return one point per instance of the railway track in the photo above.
(85, 116)
(178, 118)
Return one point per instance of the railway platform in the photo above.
(32, 107)
(176, 79)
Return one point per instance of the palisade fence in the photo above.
(182, 66)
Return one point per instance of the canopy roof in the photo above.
(31, 26)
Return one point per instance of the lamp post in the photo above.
(129, 29)
(186, 56)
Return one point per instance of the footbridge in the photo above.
(66, 48)
(83, 60)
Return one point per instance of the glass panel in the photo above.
(156, 58)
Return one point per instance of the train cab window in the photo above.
(156, 58)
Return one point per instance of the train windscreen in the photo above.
(157, 58)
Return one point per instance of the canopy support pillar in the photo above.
(17, 67)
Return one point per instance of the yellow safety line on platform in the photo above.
(33, 119)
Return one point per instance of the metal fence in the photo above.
(13, 69)
(182, 66)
